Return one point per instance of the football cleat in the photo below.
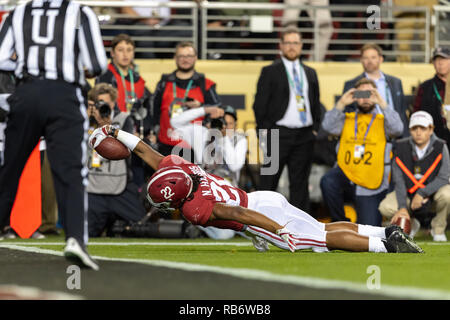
(398, 242)
(390, 229)
(260, 244)
(75, 253)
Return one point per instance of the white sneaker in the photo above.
(439, 237)
(77, 254)
(415, 226)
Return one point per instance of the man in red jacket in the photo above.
(178, 91)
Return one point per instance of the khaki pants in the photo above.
(441, 205)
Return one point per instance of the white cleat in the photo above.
(260, 244)
(76, 253)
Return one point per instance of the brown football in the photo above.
(404, 223)
(112, 149)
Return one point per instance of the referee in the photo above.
(56, 42)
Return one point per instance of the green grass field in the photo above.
(416, 271)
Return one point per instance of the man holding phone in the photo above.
(363, 153)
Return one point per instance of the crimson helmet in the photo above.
(168, 188)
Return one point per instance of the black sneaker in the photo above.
(400, 243)
(77, 254)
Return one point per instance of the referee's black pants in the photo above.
(295, 149)
(55, 110)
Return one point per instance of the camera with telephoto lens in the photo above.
(218, 123)
(103, 108)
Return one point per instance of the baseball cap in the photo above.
(441, 52)
(420, 118)
(231, 111)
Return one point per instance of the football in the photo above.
(112, 149)
(404, 223)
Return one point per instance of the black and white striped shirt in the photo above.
(53, 39)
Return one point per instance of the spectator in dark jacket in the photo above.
(388, 86)
(431, 93)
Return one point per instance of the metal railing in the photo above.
(230, 30)
(442, 25)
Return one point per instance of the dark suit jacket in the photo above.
(398, 97)
(272, 95)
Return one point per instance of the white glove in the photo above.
(287, 237)
(97, 136)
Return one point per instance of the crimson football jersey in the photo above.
(211, 189)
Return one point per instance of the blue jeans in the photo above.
(337, 189)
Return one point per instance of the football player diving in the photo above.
(208, 200)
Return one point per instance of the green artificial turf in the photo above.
(428, 270)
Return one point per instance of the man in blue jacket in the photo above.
(389, 87)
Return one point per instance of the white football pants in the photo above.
(311, 233)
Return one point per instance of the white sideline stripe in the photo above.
(149, 243)
(238, 244)
(252, 274)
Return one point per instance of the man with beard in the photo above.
(287, 103)
(389, 87)
(178, 91)
(363, 153)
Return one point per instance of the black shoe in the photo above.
(390, 229)
(8, 233)
(77, 254)
(400, 243)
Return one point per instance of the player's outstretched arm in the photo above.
(247, 216)
(135, 144)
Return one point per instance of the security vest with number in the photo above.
(361, 149)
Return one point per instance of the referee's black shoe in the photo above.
(77, 254)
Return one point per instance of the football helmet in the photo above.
(168, 188)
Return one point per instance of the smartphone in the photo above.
(362, 94)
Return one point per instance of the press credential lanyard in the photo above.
(187, 90)
(291, 83)
(359, 149)
(129, 102)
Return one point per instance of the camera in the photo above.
(218, 123)
(103, 108)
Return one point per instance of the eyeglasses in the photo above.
(187, 57)
(291, 43)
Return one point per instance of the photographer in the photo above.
(217, 146)
(111, 192)
(133, 97)
(363, 153)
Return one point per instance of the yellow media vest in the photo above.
(366, 171)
